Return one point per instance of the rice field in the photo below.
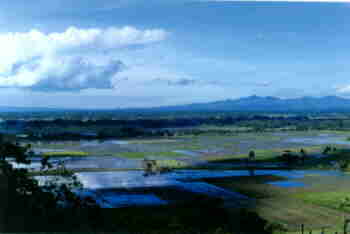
(209, 147)
(319, 204)
(316, 205)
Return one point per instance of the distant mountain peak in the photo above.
(272, 98)
(252, 97)
(268, 104)
(333, 97)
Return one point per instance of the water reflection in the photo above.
(251, 172)
(104, 185)
(103, 142)
(135, 179)
(288, 184)
(321, 139)
(83, 162)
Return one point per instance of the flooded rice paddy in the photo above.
(322, 139)
(91, 162)
(288, 184)
(196, 146)
(106, 186)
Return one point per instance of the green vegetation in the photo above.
(251, 186)
(152, 141)
(136, 155)
(291, 207)
(335, 158)
(271, 155)
(108, 125)
(59, 172)
(65, 154)
(174, 164)
(332, 199)
(55, 145)
(29, 207)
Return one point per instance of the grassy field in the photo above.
(55, 145)
(214, 147)
(314, 206)
(331, 199)
(163, 163)
(175, 164)
(264, 155)
(152, 141)
(65, 154)
(141, 155)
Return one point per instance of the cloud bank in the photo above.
(68, 61)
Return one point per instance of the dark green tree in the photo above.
(252, 155)
(26, 206)
(303, 155)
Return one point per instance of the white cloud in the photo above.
(113, 66)
(148, 75)
(342, 89)
(72, 60)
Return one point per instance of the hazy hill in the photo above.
(29, 109)
(268, 104)
(251, 103)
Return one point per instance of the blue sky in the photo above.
(106, 54)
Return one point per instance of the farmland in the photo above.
(213, 162)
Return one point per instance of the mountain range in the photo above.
(264, 104)
(246, 104)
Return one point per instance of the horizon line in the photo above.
(171, 105)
